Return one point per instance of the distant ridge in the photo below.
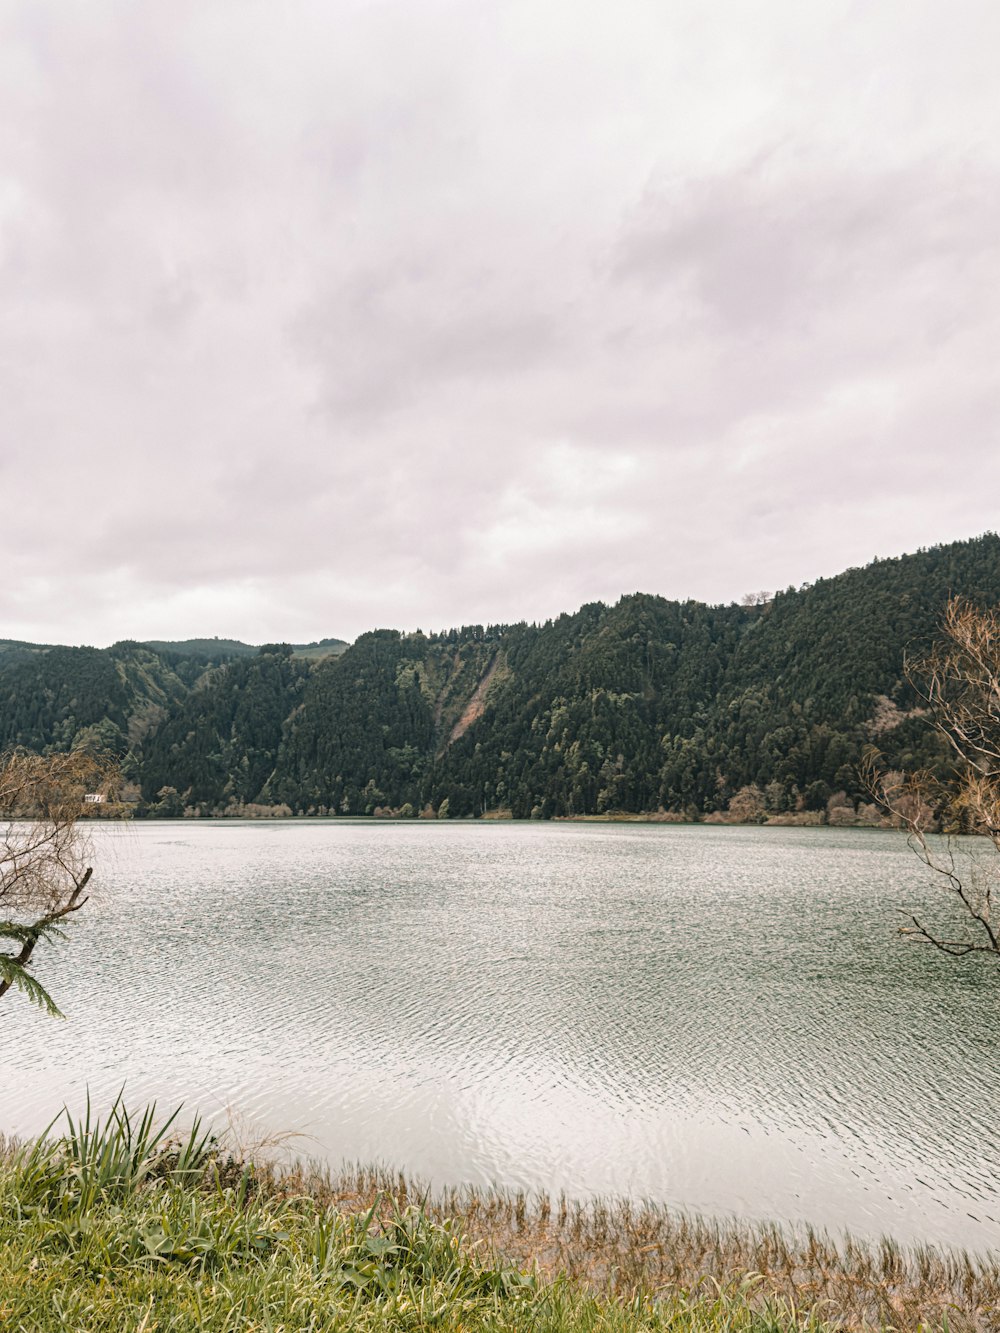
(648, 706)
(216, 648)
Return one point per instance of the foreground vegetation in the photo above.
(118, 1225)
(115, 1226)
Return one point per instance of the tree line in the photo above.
(752, 710)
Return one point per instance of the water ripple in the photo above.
(719, 1018)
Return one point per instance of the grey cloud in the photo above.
(385, 338)
(420, 313)
(779, 244)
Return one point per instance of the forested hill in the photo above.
(643, 706)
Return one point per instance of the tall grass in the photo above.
(102, 1161)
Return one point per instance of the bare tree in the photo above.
(44, 854)
(959, 681)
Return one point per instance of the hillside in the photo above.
(642, 706)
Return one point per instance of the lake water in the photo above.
(723, 1019)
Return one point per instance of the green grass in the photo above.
(121, 1225)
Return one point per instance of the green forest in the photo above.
(648, 706)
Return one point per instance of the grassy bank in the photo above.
(119, 1226)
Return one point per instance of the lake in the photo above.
(723, 1019)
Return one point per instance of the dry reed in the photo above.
(625, 1248)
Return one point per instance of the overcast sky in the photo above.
(322, 316)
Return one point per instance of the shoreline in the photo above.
(621, 1259)
(713, 820)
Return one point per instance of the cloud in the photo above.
(322, 317)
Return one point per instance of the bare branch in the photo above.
(959, 681)
(44, 852)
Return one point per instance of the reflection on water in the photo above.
(720, 1018)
